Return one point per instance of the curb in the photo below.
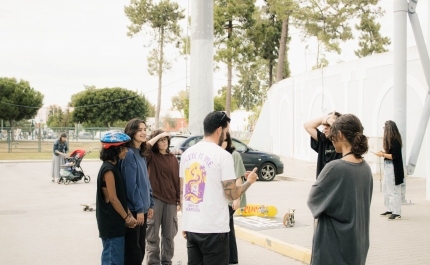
(293, 251)
(283, 177)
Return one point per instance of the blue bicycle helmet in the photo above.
(114, 139)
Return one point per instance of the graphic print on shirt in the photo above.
(195, 182)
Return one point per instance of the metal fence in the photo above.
(35, 139)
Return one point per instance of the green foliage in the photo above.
(371, 40)
(171, 122)
(329, 21)
(220, 99)
(252, 119)
(18, 93)
(108, 105)
(266, 35)
(233, 21)
(181, 103)
(248, 92)
(56, 117)
(162, 17)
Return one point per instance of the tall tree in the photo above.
(370, 40)
(18, 100)
(181, 103)
(283, 10)
(248, 92)
(163, 17)
(329, 22)
(266, 34)
(108, 105)
(232, 21)
(58, 118)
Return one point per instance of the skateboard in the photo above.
(87, 208)
(289, 218)
(257, 210)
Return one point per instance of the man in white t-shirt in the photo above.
(209, 181)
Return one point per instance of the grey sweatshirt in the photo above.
(340, 199)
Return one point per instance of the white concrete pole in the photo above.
(201, 67)
(399, 89)
(428, 26)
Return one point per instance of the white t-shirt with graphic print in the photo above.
(204, 206)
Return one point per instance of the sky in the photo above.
(61, 45)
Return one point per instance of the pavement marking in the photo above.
(292, 251)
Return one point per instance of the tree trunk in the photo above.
(229, 74)
(282, 48)
(160, 76)
(318, 55)
(270, 72)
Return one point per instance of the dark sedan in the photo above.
(269, 165)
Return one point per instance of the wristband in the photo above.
(126, 217)
(128, 221)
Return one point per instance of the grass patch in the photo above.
(28, 150)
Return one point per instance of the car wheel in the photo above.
(267, 172)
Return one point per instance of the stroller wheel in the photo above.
(66, 182)
(60, 180)
(87, 179)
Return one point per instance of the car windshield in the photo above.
(176, 141)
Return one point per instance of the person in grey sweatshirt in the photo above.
(340, 198)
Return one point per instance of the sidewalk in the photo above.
(403, 241)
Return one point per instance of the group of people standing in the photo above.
(341, 196)
(138, 185)
(141, 185)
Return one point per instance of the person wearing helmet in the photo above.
(112, 212)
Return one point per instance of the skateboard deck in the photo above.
(87, 208)
(289, 218)
(257, 210)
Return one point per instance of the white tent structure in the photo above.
(367, 87)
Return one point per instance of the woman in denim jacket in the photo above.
(59, 152)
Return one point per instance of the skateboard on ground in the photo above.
(87, 208)
(289, 218)
(257, 210)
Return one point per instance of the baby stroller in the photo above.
(72, 170)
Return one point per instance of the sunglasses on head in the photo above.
(222, 117)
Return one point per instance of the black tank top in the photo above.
(109, 222)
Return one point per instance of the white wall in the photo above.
(362, 87)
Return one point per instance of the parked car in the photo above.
(269, 165)
(85, 135)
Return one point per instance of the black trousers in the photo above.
(207, 249)
(135, 240)
(234, 259)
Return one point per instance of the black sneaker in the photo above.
(394, 217)
(386, 213)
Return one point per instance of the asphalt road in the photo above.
(43, 223)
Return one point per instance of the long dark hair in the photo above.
(230, 147)
(111, 153)
(131, 128)
(61, 136)
(352, 130)
(155, 146)
(391, 133)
